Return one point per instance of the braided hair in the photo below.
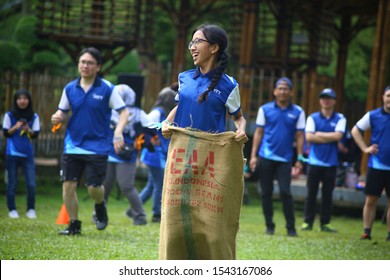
(215, 35)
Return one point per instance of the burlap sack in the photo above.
(202, 196)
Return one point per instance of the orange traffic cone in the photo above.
(63, 217)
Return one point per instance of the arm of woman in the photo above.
(166, 132)
(240, 123)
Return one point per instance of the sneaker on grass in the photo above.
(365, 236)
(328, 228)
(31, 214)
(306, 226)
(101, 216)
(292, 232)
(13, 214)
(74, 228)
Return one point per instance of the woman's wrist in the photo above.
(301, 158)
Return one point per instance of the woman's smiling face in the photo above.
(202, 52)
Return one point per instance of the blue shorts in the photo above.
(377, 181)
(93, 166)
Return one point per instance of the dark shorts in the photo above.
(73, 166)
(377, 181)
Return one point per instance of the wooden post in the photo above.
(251, 9)
(310, 94)
(8, 91)
(342, 54)
(283, 35)
(97, 17)
(380, 54)
(183, 23)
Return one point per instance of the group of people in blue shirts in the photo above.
(204, 97)
(281, 125)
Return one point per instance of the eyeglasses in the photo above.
(195, 42)
(87, 62)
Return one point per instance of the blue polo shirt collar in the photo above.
(331, 116)
(197, 73)
(383, 111)
(290, 105)
(95, 83)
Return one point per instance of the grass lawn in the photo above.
(24, 239)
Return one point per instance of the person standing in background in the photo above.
(20, 126)
(378, 172)
(87, 142)
(279, 123)
(156, 160)
(122, 166)
(324, 130)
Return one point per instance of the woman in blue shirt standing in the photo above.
(20, 126)
(206, 93)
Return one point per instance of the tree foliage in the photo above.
(25, 31)
(22, 50)
(10, 56)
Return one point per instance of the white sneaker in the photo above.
(31, 214)
(13, 214)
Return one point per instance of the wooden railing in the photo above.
(108, 22)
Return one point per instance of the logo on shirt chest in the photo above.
(97, 97)
(217, 91)
(291, 116)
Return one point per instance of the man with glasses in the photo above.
(278, 123)
(86, 144)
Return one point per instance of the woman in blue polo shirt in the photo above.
(20, 125)
(205, 96)
(206, 93)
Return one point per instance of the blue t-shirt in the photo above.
(280, 126)
(158, 158)
(379, 122)
(19, 144)
(88, 127)
(210, 115)
(324, 154)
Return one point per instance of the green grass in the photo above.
(25, 239)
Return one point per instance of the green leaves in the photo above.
(10, 56)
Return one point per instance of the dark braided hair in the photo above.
(215, 35)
